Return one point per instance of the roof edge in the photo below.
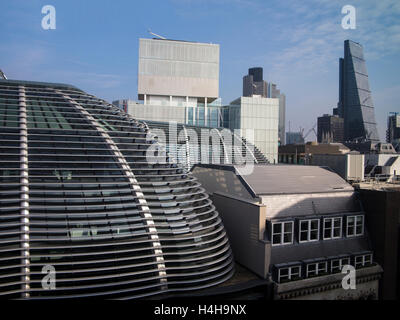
(39, 83)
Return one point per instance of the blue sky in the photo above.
(298, 43)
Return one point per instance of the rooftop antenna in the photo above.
(156, 35)
(2, 75)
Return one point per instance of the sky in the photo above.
(298, 43)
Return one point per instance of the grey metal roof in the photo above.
(290, 179)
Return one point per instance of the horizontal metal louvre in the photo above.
(86, 217)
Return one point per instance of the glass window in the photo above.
(289, 273)
(309, 230)
(283, 274)
(322, 267)
(332, 228)
(363, 260)
(337, 264)
(355, 226)
(282, 233)
(317, 268)
(276, 233)
(201, 119)
(311, 269)
(358, 261)
(295, 272)
(359, 225)
(213, 117)
(190, 116)
(303, 231)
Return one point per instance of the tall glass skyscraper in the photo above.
(355, 100)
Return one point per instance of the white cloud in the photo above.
(315, 37)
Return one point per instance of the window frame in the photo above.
(341, 264)
(354, 227)
(282, 233)
(318, 270)
(363, 262)
(290, 273)
(332, 231)
(309, 221)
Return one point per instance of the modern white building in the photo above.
(178, 81)
(178, 69)
(258, 120)
(125, 104)
(153, 112)
(254, 84)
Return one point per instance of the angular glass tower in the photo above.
(77, 194)
(355, 100)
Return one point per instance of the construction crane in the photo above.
(156, 35)
(309, 131)
(2, 75)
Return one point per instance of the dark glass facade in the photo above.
(216, 116)
(330, 129)
(393, 129)
(355, 100)
(257, 74)
(254, 84)
(77, 193)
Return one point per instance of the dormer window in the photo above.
(282, 232)
(332, 228)
(363, 260)
(289, 273)
(355, 226)
(316, 268)
(308, 230)
(338, 263)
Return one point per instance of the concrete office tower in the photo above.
(253, 83)
(257, 74)
(355, 100)
(257, 116)
(330, 129)
(393, 129)
(177, 80)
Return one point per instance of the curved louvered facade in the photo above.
(77, 193)
(231, 148)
